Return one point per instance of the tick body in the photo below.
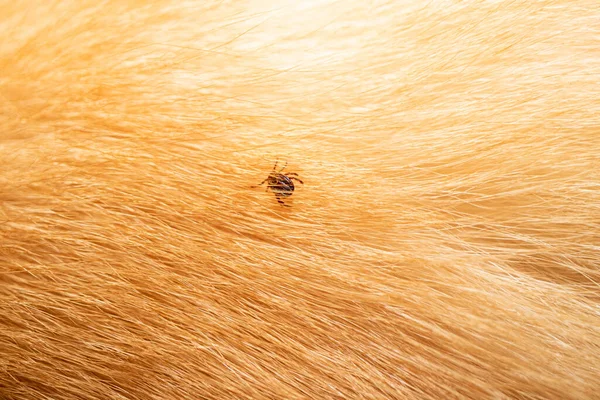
(282, 185)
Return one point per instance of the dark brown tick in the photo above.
(281, 185)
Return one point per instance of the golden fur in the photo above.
(445, 243)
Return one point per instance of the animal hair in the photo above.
(444, 245)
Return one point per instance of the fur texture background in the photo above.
(445, 243)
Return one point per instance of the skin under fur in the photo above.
(445, 243)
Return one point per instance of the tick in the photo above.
(281, 185)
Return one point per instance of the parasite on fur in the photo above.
(281, 185)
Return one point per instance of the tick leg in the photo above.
(281, 201)
(283, 166)
(296, 179)
(260, 184)
(292, 174)
(275, 166)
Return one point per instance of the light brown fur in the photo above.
(444, 245)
